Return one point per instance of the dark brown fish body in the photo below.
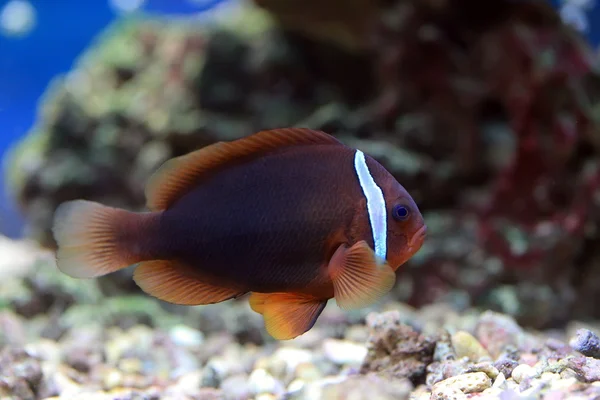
(233, 228)
(293, 216)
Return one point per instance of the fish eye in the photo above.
(400, 212)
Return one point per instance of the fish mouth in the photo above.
(416, 241)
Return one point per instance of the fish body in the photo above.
(293, 216)
(282, 212)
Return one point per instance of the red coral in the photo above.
(541, 92)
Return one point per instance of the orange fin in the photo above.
(257, 301)
(169, 281)
(287, 315)
(90, 238)
(175, 177)
(358, 279)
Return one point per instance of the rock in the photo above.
(586, 368)
(485, 367)
(288, 357)
(236, 387)
(523, 372)
(308, 372)
(60, 382)
(444, 350)
(465, 345)
(395, 349)
(12, 331)
(185, 336)
(500, 381)
(344, 352)
(20, 373)
(586, 342)
(496, 331)
(439, 371)
(211, 377)
(505, 365)
(260, 381)
(367, 387)
(473, 382)
(189, 384)
(443, 392)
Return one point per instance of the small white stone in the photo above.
(260, 381)
(563, 383)
(549, 376)
(343, 352)
(189, 383)
(292, 357)
(183, 335)
(521, 372)
(296, 386)
(500, 381)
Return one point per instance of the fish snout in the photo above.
(417, 239)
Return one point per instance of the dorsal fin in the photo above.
(178, 175)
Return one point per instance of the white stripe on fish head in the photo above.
(375, 205)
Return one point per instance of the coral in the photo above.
(507, 104)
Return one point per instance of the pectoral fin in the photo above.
(359, 280)
(287, 315)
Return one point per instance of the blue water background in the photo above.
(64, 28)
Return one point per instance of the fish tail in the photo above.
(95, 240)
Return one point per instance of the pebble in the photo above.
(485, 367)
(189, 383)
(358, 387)
(112, 378)
(563, 383)
(465, 345)
(296, 386)
(131, 365)
(472, 382)
(500, 381)
(290, 357)
(495, 331)
(447, 393)
(506, 365)
(522, 372)
(185, 336)
(343, 352)
(236, 387)
(586, 342)
(308, 372)
(46, 350)
(586, 368)
(260, 381)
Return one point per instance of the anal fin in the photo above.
(287, 315)
(359, 280)
(170, 281)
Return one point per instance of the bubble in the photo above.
(17, 18)
(582, 4)
(574, 16)
(127, 6)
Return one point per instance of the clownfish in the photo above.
(292, 216)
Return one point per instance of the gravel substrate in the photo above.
(84, 346)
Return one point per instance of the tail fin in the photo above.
(95, 240)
